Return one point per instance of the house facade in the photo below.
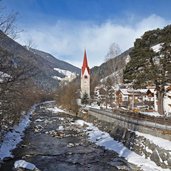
(130, 98)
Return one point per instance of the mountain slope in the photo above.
(54, 62)
(43, 63)
(113, 68)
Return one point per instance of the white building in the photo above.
(167, 101)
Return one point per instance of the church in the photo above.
(85, 77)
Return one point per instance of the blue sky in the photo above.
(65, 27)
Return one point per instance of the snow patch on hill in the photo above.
(157, 47)
(4, 76)
(57, 78)
(64, 72)
(69, 76)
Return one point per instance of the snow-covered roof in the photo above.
(124, 91)
(142, 90)
(137, 91)
(152, 90)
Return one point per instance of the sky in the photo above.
(65, 28)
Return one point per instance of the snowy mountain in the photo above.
(62, 71)
(42, 62)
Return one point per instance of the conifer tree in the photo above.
(150, 66)
(84, 99)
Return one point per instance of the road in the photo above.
(54, 143)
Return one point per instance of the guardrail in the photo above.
(137, 121)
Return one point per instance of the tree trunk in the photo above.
(106, 101)
(160, 102)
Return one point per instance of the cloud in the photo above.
(67, 40)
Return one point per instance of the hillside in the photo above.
(46, 76)
(113, 68)
(54, 62)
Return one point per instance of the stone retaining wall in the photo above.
(121, 131)
(135, 125)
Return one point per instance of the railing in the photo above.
(137, 119)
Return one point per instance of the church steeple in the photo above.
(85, 64)
(85, 77)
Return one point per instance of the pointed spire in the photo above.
(85, 63)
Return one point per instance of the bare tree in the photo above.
(15, 83)
(30, 44)
(67, 96)
(109, 91)
(8, 22)
(114, 51)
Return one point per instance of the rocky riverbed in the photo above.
(53, 142)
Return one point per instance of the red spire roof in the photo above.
(85, 64)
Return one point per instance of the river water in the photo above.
(54, 143)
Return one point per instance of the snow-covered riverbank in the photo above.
(12, 138)
(104, 139)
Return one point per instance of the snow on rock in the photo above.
(56, 78)
(157, 47)
(3, 76)
(55, 109)
(38, 120)
(12, 138)
(25, 165)
(104, 139)
(60, 128)
(80, 122)
(61, 119)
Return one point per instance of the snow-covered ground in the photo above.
(163, 143)
(12, 138)
(104, 139)
(55, 109)
(151, 114)
(92, 106)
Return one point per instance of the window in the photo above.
(85, 77)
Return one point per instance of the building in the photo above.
(85, 77)
(131, 98)
(167, 101)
